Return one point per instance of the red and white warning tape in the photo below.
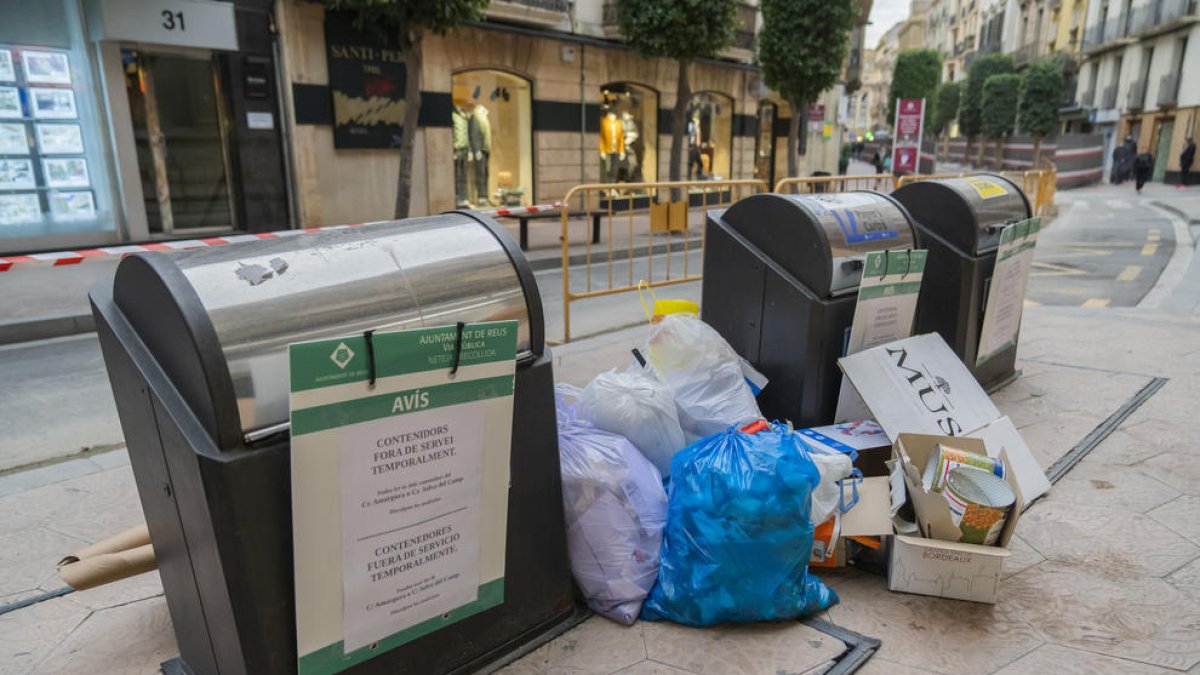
(65, 258)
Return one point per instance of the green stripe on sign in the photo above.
(334, 415)
(884, 290)
(327, 363)
(330, 659)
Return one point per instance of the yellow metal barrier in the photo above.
(652, 210)
(655, 217)
(879, 182)
(901, 181)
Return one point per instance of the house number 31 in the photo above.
(172, 20)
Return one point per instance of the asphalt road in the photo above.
(1107, 248)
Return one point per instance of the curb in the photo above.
(75, 324)
(45, 328)
(1190, 219)
(600, 252)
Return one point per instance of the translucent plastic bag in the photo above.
(615, 509)
(833, 468)
(639, 407)
(738, 535)
(704, 373)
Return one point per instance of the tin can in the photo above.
(944, 459)
(979, 504)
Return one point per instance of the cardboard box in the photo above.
(919, 385)
(938, 565)
(867, 439)
(945, 569)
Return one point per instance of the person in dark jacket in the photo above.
(1143, 166)
(1128, 155)
(1118, 161)
(1185, 161)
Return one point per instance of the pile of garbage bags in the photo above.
(681, 503)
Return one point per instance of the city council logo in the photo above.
(342, 355)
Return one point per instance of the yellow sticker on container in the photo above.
(986, 188)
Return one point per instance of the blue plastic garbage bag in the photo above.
(738, 534)
(615, 508)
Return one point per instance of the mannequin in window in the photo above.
(693, 134)
(458, 117)
(612, 145)
(633, 149)
(479, 150)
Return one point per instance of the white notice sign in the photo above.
(399, 486)
(884, 312)
(1006, 297)
(410, 519)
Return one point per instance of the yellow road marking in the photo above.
(1130, 273)
(1150, 249)
(1032, 303)
(1045, 269)
(1154, 234)
(1095, 302)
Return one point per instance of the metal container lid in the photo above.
(230, 312)
(822, 240)
(968, 213)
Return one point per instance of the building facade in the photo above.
(564, 103)
(953, 29)
(121, 121)
(1132, 83)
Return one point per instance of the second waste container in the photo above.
(781, 277)
(960, 221)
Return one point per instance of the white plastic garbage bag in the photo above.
(704, 373)
(833, 468)
(639, 407)
(615, 508)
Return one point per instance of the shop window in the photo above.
(493, 139)
(764, 143)
(53, 171)
(628, 133)
(709, 136)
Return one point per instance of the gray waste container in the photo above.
(960, 220)
(781, 277)
(195, 343)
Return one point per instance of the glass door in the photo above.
(181, 126)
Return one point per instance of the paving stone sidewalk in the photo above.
(1104, 576)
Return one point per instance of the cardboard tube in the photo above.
(138, 535)
(108, 567)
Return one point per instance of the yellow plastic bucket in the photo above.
(665, 306)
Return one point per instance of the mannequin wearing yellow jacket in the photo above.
(612, 145)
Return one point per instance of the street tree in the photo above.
(1041, 94)
(916, 75)
(999, 107)
(801, 48)
(945, 109)
(683, 30)
(405, 23)
(970, 109)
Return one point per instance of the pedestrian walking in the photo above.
(1118, 156)
(1143, 166)
(1185, 161)
(1128, 156)
(878, 162)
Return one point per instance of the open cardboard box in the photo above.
(937, 564)
(918, 385)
